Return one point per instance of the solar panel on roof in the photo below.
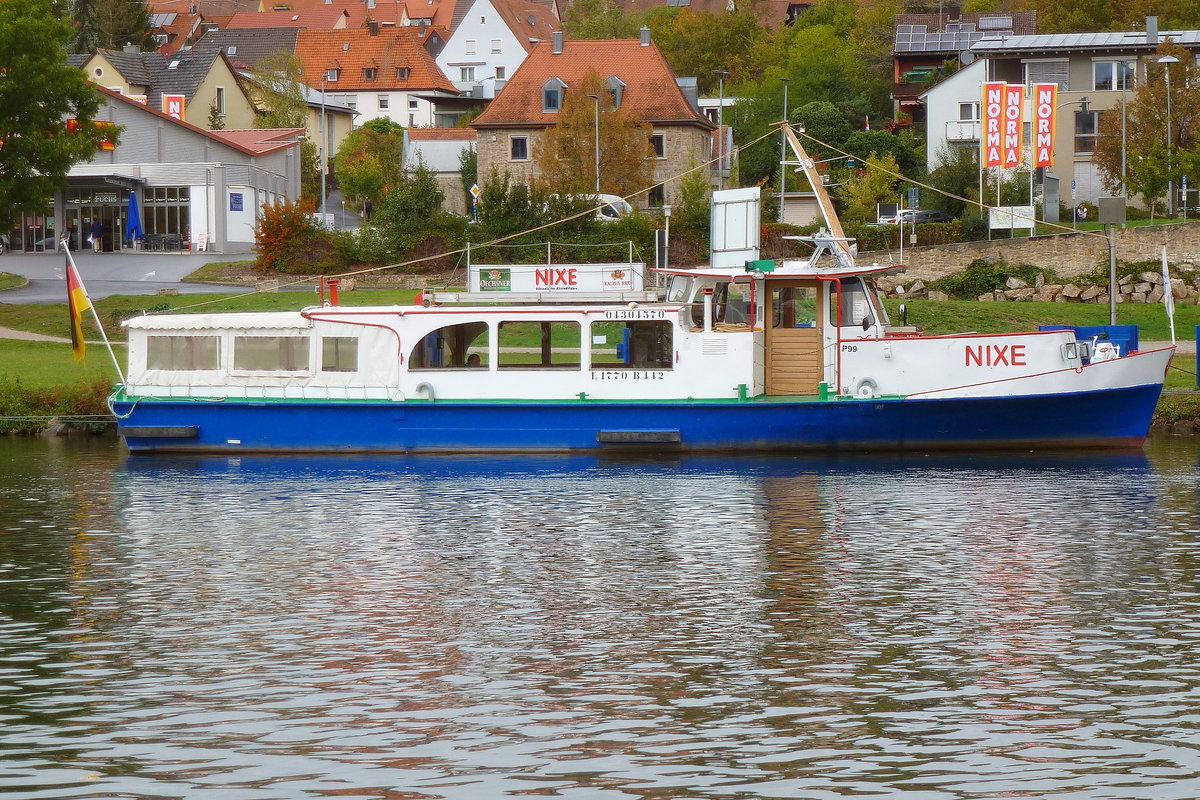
(995, 23)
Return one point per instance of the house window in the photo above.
(615, 87)
(657, 196)
(519, 148)
(968, 112)
(383, 102)
(1057, 71)
(331, 75)
(658, 143)
(552, 95)
(470, 47)
(466, 74)
(1112, 76)
(412, 104)
(401, 73)
(219, 102)
(495, 45)
(368, 73)
(1085, 131)
(500, 73)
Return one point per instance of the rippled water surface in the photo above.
(922, 627)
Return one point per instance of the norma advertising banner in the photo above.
(1014, 125)
(1045, 97)
(172, 105)
(563, 278)
(992, 140)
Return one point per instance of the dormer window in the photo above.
(331, 75)
(552, 95)
(368, 73)
(401, 73)
(615, 87)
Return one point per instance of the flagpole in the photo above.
(71, 265)
(1168, 297)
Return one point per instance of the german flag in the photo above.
(77, 303)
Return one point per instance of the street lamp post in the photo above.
(596, 137)
(1167, 61)
(721, 75)
(324, 154)
(783, 149)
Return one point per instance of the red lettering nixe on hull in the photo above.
(994, 355)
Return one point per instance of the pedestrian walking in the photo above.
(97, 235)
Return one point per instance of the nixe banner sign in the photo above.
(1045, 96)
(992, 139)
(1014, 124)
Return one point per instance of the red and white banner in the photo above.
(1045, 97)
(172, 105)
(992, 140)
(1014, 125)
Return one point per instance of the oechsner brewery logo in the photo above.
(495, 280)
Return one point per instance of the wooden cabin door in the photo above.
(794, 363)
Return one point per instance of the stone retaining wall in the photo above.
(1068, 254)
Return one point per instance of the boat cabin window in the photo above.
(794, 306)
(462, 346)
(852, 306)
(644, 344)
(339, 354)
(680, 289)
(731, 306)
(270, 353)
(183, 352)
(543, 344)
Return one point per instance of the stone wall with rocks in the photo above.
(1145, 287)
(1068, 254)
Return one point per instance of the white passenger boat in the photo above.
(743, 354)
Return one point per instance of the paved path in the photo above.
(9, 333)
(104, 274)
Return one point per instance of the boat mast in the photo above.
(841, 247)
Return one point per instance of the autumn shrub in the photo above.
(279, 226)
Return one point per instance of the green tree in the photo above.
(867, 187)
(277, 87)
(468, 170)
(409, 208)
(955, 173)
(862, 144)
(1149, 168)
(565, 156)
(371, 160)
(215, 121)
(699, 44)
(38, 92)
(599, 19)
(109, 24)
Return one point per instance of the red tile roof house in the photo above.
(510, 128)
(377, 72)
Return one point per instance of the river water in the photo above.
(919, 626)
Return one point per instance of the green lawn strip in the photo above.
(51, 319)
(10, 281)
(44, 364)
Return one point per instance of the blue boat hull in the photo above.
(1108, 418)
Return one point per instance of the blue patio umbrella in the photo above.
(133, 220)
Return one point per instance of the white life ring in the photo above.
(866, 388)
